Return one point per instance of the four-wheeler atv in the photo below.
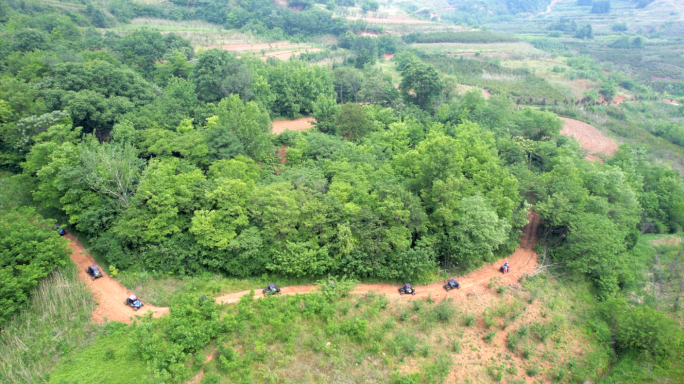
(94, 271)
(62, 231)
(452, 284)
(505, 269)
(271, 290)
(407, 289)
(133, 302)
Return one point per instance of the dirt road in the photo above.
(522, 261)
(109, 293)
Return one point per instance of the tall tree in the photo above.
(421, 84)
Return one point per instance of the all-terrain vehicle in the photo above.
(271, 290)
(505, 268)
(133, 302)
(407, 289)
(94, 271)
(61, 231)
(452, 284)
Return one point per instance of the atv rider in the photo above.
(505, 267)
(451, 285)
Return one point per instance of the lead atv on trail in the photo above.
(505, 268)
(133, 302)
(407, 289)
(61, 231)
(94, 271)
(271, 290)
(452, 284)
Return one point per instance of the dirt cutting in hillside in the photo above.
(522, 261)
(108, 292)
(589, 138)
(301, 124)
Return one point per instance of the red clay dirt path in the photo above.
(589, 138)
(522, 261)
(108, 292)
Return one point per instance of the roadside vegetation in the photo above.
(422, 164)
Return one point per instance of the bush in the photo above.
(444, 311)
(30, 249)
(645, 329)
(619, 27)
(334, 288)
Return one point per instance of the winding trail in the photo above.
(109, 293)
(523, 261)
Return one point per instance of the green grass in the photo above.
(109, 360)
(56, 321)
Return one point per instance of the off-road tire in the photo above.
(447, 289)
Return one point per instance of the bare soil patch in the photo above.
(388, 56)
(589, 137)
(669, 101)
(109, 293)
(301, 124)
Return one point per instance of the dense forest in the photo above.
(163, 160)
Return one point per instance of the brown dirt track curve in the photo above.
(109, 293)
(523, 261)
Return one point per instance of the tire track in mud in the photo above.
(522, 261)
(108, 292)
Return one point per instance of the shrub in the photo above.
(444, 311)
(645, 329)
(406, 343)
(30, 249)
(334, 288)
(490, 336)
(619, 27)
(469, 320)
